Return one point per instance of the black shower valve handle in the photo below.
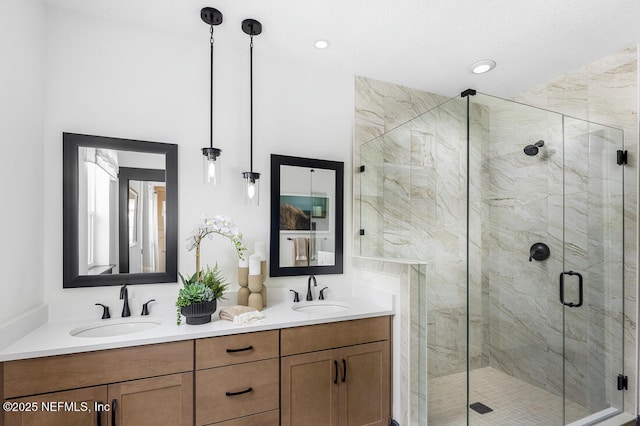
(539, 251)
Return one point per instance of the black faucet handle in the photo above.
(124, 295)
(145, 307)
(105, 311)
(321, 297)
(296, 296)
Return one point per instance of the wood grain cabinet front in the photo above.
(79, 407)
(137, 386)
(236, 391)
(347, 385)
(237, 348)
(238, 379)
(164, 400)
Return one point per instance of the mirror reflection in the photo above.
(307, 210)
(114, 197)
(306, 216)
(120, 211)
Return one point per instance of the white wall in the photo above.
(110, 79)
(21, 215)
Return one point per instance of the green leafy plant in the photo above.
(192, 292)
(214, 280)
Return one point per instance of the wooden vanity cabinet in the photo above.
(237, 379)
(143, 385)
(336, 373)
(325, 374)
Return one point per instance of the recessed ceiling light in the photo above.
(321, 44)
(482, 66)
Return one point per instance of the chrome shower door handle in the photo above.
(580, 289)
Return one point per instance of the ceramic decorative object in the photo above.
(199, 313)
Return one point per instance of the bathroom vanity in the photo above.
(292, 369)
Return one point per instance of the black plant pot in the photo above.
(199, 313)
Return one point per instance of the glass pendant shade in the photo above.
(251, 188)
(211, 165)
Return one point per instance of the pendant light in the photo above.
(251, 178)
(211, 155)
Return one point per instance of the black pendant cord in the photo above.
(251, 103)
(211, 91)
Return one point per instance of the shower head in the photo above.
(532, 150)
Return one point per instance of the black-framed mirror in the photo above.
(307, 216)
(120, 211)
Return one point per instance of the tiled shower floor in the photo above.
(513, 401)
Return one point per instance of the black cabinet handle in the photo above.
(344, 369)
(580, 289)
(231, 351)
(247, 390)
(114, 406)
(99, 414)
(335, 379)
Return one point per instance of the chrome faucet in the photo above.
(124, 295)
(315, 284)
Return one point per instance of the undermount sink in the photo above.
(321, 307)
(114, 328)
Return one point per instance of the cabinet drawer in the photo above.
(62, 372)
(319, 337)
(223, 393)
(236, 349)
(270, 418)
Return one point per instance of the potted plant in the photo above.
(195, 302)
(197, 299)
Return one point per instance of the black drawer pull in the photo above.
(231, 351)
(335, 379)
(344, 366)
(114, 407)
(99, 415)
(247, 390)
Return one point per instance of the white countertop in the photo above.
(53, 338)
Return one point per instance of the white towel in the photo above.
(248, 317)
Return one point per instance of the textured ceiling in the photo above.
(424, 44)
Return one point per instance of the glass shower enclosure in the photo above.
(516, 213)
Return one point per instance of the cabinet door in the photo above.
(310, 384)
(365, 384)
(78, 407)
(164, 400)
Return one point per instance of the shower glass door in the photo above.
(544, 266)
(592, 280)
